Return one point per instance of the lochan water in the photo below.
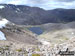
(36, 30)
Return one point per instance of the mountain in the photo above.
(18, 40)
(25, 15)
(51, 31)
(16, 33)
(58, 32)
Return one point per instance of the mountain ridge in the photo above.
(25, 15)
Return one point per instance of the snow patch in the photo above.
(18, 9)
(3, 23)
(72, 33)
(45, 42)
(1, 7)
(2, 36)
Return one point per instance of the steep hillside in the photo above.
(17, 33)
(25, 15)
(58, 33)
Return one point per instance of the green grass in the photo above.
(37, 49)
(35, 54)
(19, 50)
(1, 48)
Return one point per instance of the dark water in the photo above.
(36, 30)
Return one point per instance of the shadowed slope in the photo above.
(14, 33)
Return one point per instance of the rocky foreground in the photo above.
(8, 48)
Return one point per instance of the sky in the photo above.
(45, 4)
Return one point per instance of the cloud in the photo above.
(53, 5)
(46, 4)
(16, 2)
(65, 0)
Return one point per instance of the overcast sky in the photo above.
(46, 4)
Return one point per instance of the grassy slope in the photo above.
(58, 33)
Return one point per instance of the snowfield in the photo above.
(1, 7)
(2, 36)
(3, 23)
